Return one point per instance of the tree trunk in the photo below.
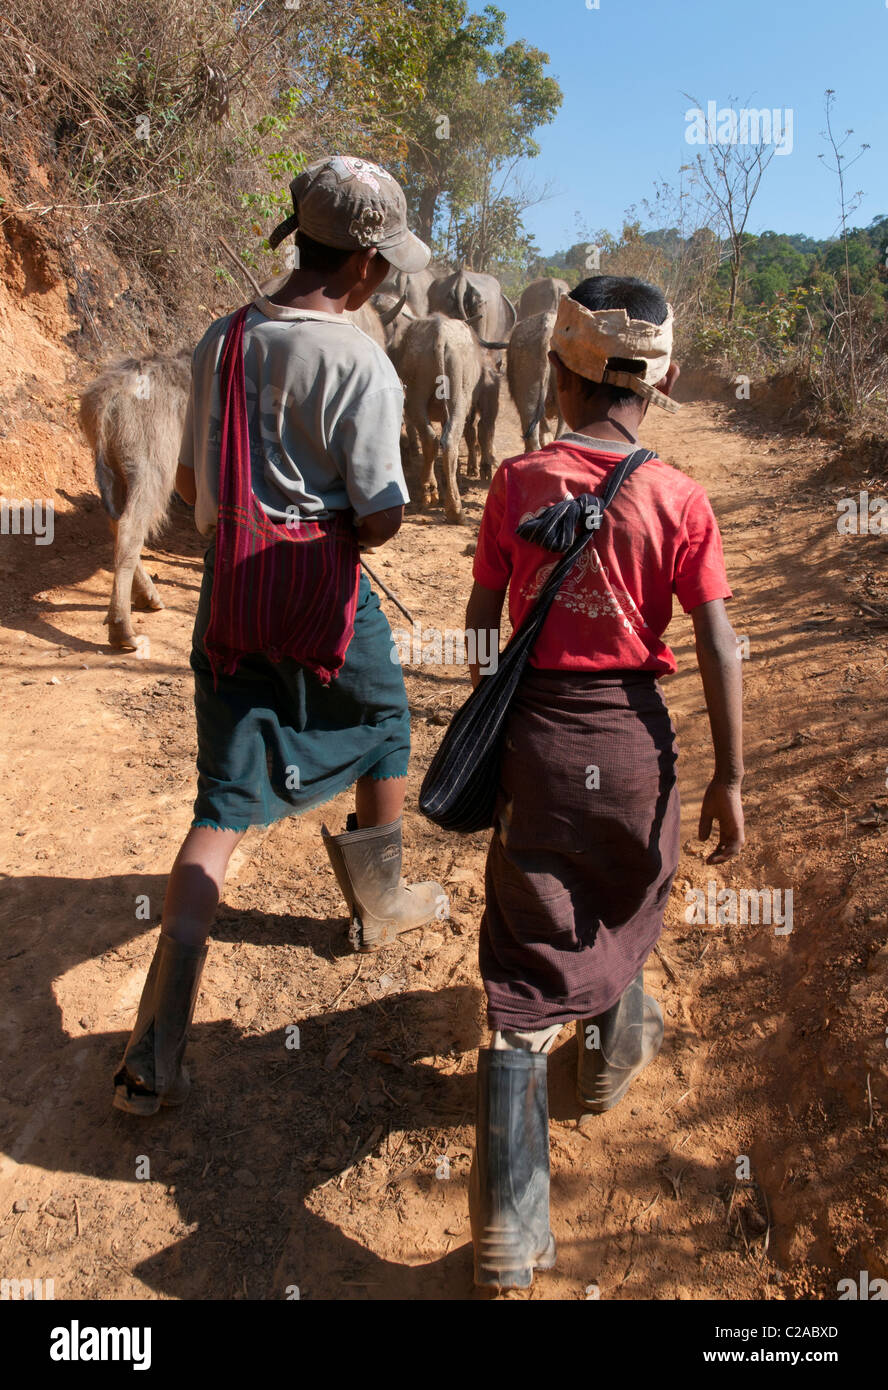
(735, 277)
(428, 206)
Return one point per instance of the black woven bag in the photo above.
(459, 790)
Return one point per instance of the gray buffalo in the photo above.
(373, 322)
(449, 380)
(541, 296)
(415, 289)
(132, 416)
(532, 380)
(395, 315)
(477, 299)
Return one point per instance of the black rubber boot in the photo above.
(509, 1181)
(630, 1035)
(367, 865)
(151, 1073)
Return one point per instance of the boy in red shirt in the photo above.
(586, 836)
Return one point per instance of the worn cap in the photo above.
(352, 204)
(585, 340)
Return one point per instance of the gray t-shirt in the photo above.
(324, 405)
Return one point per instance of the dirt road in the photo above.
(339, 1168)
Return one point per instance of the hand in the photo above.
(373, 531)
(722, 802)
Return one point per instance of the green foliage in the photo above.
(480, 107)
(268, 146)
(759, 338)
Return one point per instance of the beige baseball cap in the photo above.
(352, 204)
(585, 340)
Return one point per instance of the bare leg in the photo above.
(195, 884)
(540, 1040)
(379, 801)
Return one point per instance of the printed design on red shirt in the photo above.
(661, 541)
(588, 590)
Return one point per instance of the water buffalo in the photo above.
(450, 380)
(395, 315)
(132, 416)
(370, 321)
(531, 379)
(478, 300)
(541, 295)
(414, 287)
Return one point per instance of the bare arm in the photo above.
(377, 528)
(185, 484)
(483, 614)
(721, 675)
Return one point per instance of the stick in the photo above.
(387, 591)
(667, 965)
(258, 288)
(240, 265)
(869, 1096)
(344, 992)
(676, 1102)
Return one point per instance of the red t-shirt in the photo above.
(658, 537)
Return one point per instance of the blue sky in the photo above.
(624, 67)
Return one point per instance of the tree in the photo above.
(845, 317)
(730, 177)
(475, 123)
(692, 251)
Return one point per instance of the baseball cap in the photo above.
(352, 204)
(586, 339)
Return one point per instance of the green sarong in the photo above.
(272, 741)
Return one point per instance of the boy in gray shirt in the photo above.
(325, 404)
(323, 412)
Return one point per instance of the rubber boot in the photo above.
(367, 865)
(630, 1034)
(509, 1181)
(151, 1073)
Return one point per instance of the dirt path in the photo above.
(323, 1167)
